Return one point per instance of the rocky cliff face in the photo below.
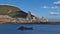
(12, 11)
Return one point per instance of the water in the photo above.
(37, 29)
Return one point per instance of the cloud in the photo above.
(57, 2)
(52, 7)
(54, 13)
(45, 7)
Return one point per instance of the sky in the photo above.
(45, 8)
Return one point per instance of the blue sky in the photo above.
(46, 8)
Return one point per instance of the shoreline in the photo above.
(29, 22)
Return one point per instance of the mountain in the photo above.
(12, 11)
(21, 14)
(8, 10)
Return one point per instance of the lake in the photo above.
(37, 29)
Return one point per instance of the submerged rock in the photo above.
(25, 28)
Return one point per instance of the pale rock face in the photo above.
(34, 18)
(42, 19)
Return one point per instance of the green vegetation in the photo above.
(8, 10)
(12, 11)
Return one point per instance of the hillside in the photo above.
(8, 10)
(12, 11)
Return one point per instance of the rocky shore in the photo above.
(29, 22)
(18, 22)
(49, 22)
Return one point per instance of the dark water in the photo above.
(38, 29)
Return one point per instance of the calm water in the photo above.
(38, 29)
